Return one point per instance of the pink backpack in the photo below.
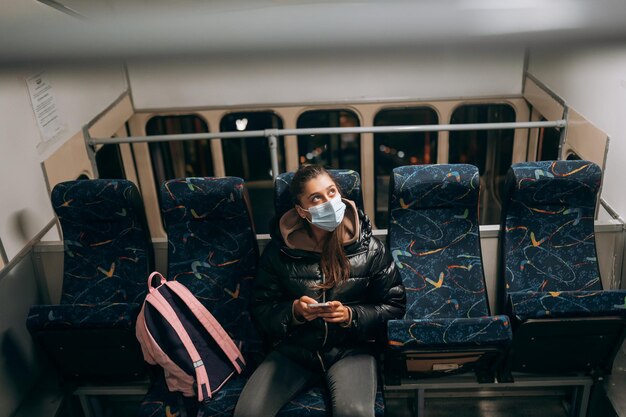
(178, 333)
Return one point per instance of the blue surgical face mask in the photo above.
(328, 215)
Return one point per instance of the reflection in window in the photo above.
(249, 158)
(397, 149)
(548, 143)
(335, 151)
(179, 159)
(490, 150)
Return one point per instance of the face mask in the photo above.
(328, 216)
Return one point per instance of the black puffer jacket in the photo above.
(374, 292)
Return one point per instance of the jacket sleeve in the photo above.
(271, 306)
(386, 298)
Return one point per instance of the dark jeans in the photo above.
(351, 382)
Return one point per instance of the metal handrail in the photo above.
(272, 134)
(327, 131)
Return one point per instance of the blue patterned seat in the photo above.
(434, 239)
(161, 403)
(108, 256)
(213, 251)
(549, 278)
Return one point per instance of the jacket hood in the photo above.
(292, 234)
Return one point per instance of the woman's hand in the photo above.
(335, 313)
(301, 309)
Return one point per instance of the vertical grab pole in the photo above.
(91, 150)
(273, 144)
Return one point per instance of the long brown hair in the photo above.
(334, 263)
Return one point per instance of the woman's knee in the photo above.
(354, 409)
(241, 412)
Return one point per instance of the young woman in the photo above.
(325, 289)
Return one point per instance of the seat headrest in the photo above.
(349, 183)
(201, 199)
(434, 186)
(96, 200)
(573, 183)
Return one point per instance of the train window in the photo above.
(397, 149)
(109, 162)
(191, 158)
(490, 150)
(336, 151)
(571, 156)
(249, 158)
(548, 143)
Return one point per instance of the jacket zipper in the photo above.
(321, 361)
(317, 352)
(323, 301)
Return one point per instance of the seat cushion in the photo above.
(159, 402)
(536, 305)
(108, 316)
(434, 239)
(212, 249)
(427, 333)
(108, 252)
(548, 241)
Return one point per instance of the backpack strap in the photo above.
(161, 281)
(163, 307)
(211, 325)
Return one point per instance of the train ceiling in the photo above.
(103, 29)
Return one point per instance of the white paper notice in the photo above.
(44, 106)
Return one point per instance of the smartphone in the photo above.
(319, 305)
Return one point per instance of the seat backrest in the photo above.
(547, 240)
(349, 183)
(212, 247)
(434, 239)
(108, 250)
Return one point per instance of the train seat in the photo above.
(549, 281)
(212, 250)
(162, 403)
(434, 239)
(108, 255)
(316, 401)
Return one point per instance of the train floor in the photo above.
(435, 407)
(523, 406)
(607, 402)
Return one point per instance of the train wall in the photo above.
(411, 74)
(80, 94)
(592, 81)
(25, 209)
